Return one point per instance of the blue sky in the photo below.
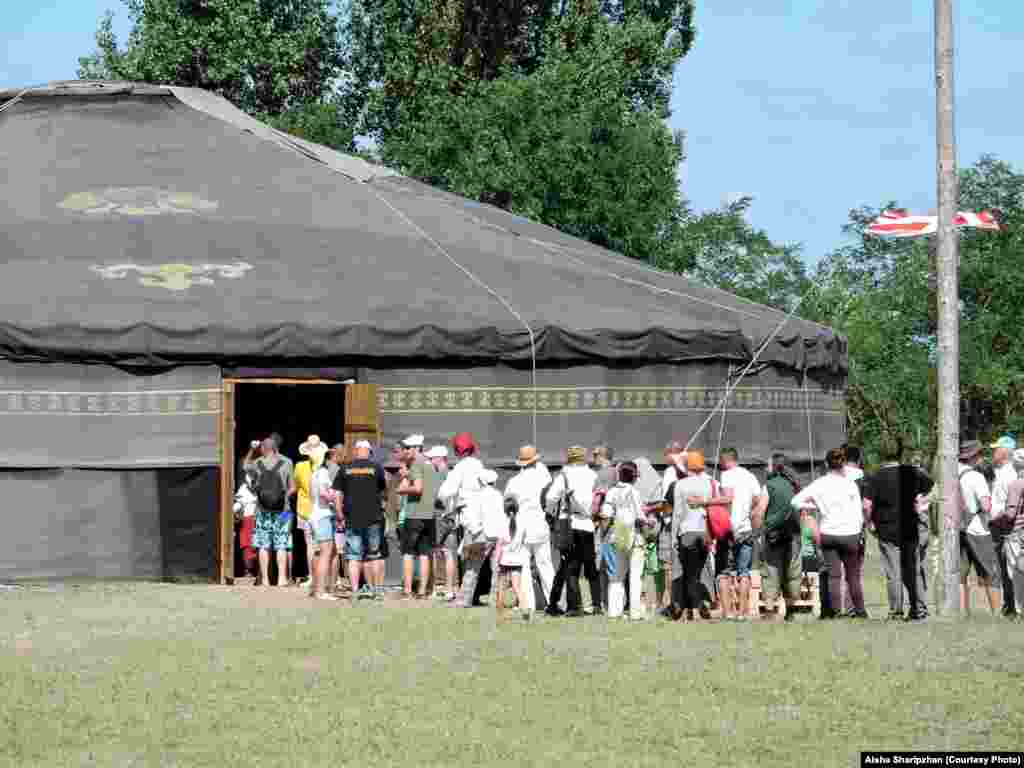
(810, 107)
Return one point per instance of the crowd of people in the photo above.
(695, 538)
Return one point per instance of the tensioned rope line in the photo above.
(753, 361)
(558, 250)
(721, 429)
(441, 249)
(565, 250)
(810, 434)
(17, 97)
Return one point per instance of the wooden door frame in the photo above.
(226, 451)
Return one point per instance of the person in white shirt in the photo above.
(976, 547)
(623, 514)
(675, 469)
(245, 505)
(691, 531)
(1002, 451)
(575, 483)
(484, 506)
(838, 530)
(508, 558)
(854, 462)
(746, 499)
(463, 479)
(446, 545)
(322, 525)
(524, 492)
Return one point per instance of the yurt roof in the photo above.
(159, 225)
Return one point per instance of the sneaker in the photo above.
(451, 597)
(575, 614)
(326, 596)
(365, 593)
(405, 596)
(378, 595)
(705, 613)
(554, 611)
(894, 616)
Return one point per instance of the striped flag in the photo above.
(899, 224)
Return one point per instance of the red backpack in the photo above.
(719, 517)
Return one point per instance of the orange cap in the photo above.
(695, 461)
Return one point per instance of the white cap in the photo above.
(489, 476)
(413, 441)
(364, 444)
(437, 452)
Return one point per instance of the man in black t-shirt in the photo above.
(892, 493)
(361, 485)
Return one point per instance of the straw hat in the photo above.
(576, 454)
(312, 444)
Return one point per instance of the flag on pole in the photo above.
(900, 224)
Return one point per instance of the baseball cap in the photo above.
(463, 443)
(413, 441)
(437, 452)
(363, 444)
(1007, 442)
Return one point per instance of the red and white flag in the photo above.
(900, 224)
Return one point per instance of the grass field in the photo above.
(142, 674)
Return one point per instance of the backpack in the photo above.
(271, 493)
(719, 517)
(961, 502)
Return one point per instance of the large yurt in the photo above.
(178, 279)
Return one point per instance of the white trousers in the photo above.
(540, 554)
(629, 566)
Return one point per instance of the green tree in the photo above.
(880, 293)
(557, 117)
(268, 57)
(721, 249)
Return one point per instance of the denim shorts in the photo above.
(740, 558)
(323, 530)
(364, 543)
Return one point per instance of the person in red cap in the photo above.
(463, 480)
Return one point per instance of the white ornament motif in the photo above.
(173, 277)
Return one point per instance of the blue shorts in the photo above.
(273, 530)
(734, 559)
(742, 558)
(364, 543)
(322, 530)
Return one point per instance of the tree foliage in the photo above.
(268, 57)
(720, 248)
(881, 294)
(553, 111)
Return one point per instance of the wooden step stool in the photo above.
(810, 596)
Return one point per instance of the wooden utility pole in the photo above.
(949, 307)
